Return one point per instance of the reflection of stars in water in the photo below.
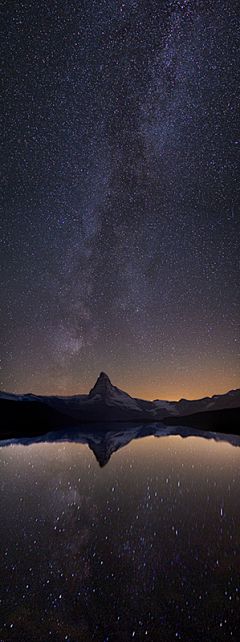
(147, 535)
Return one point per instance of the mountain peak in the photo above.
(102, 386)
(103, 376)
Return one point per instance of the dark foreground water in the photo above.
(145, 547)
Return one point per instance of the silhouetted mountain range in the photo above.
(34, 415)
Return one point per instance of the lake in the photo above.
(142, 544)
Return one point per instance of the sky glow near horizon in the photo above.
(121, 205)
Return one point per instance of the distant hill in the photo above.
(226, 420)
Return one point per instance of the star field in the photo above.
(120, 234)
(154, 536)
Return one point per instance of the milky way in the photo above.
(121, 210)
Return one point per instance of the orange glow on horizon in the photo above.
(170, 388)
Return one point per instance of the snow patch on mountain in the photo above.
(106, 402)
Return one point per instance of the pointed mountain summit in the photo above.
(102, 387)
(107, 403)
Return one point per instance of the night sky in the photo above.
(120, 239)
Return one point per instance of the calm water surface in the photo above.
(146, 547)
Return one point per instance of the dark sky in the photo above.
(121, 215)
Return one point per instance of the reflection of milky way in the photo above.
(108, 553)
(120, 168)
(73, 513)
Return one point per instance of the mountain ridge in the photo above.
(107, 403)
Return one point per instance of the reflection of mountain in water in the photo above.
(105, 439)
(110, 442)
